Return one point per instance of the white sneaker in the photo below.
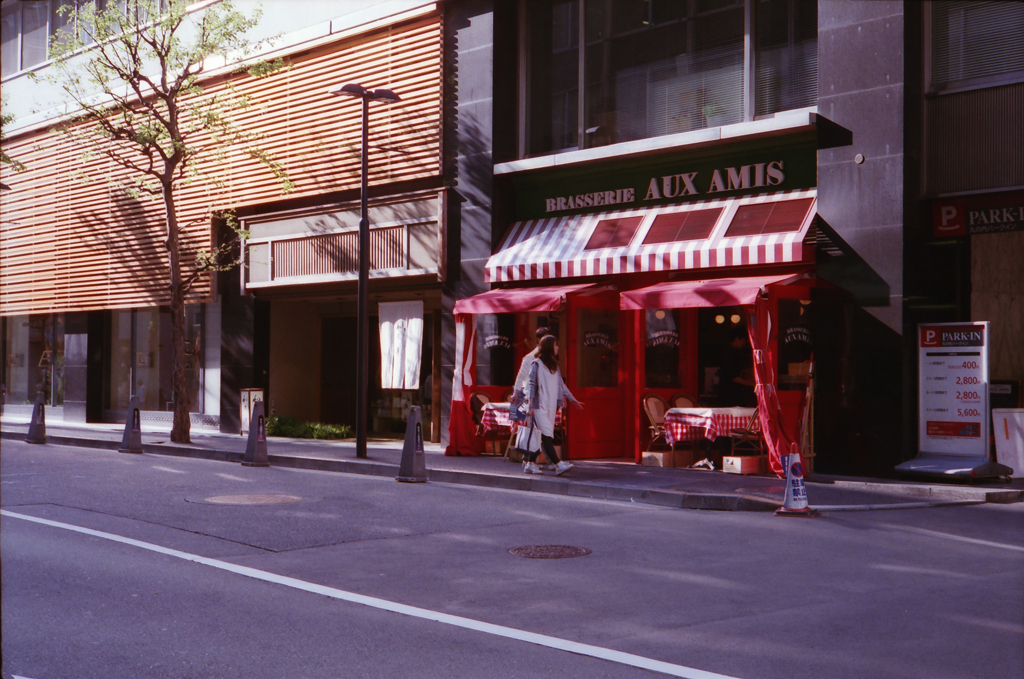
(532, 468)
(562, 467)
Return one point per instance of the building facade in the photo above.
(863, 158)
(84, 269)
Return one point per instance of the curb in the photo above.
(936, 495)
(928, 493)
(904, 505)
(556, 486)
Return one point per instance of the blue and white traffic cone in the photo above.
(795, 501)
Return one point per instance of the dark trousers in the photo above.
(547, 444)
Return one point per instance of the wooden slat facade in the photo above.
(70, 240)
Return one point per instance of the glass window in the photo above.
(553, 75)
(55, 347)
(682, 226)
(597, 348)
(553, 322)
(972, 40)
(661, 349)
(650, 68)
(60, 21)
(760, 218)
(29, 25)
(141, 359)
(495, 350)
(194, 356)
(119, 385)
(613, 233)
(34, 358)
(34, 36)
(658, 67)
(796, 348)
(16, 361)
(10, 30)
(719, 362)
(786, 55)
(149, 355)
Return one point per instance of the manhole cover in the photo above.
(549, 551)
(252, 499)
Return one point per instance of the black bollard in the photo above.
(256, 446)
(414, 467)
(37, 427)
(131, 442)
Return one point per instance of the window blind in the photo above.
(785, 55)
(976, 40)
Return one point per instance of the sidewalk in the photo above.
(620, 480)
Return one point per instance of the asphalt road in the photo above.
(273, 590)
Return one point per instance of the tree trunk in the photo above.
(181, 425)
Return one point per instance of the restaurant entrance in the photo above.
(599, 334)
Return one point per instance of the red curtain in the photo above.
(462, 438)
(773, 425)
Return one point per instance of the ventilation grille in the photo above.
(975, 140)
(337, 253)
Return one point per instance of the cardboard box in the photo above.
(747, 464)
(658, 459)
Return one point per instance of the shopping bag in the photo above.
(528, 439)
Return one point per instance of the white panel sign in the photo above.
(953, 388)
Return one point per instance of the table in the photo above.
(495, 420)
(693, 424)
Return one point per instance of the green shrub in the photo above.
(288, 426)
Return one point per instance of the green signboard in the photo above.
(664, 180)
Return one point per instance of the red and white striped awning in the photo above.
(730, 232)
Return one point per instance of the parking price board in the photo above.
(953, 370)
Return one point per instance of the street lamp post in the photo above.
(363, 311)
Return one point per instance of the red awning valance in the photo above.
(711, 234)
(706, 293)
(514, 300)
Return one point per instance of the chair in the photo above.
(747, 440)
(477, 401)
(683, 401)
(507, 396)
(655, 408)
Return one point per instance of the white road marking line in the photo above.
(382, 604)
(231, 477)
(951, 536)
(168, 469)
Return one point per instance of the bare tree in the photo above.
(134, 70)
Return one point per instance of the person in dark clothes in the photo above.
(736, 379)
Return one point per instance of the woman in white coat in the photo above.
(546, 391)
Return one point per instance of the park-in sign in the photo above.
(954, 388)
(953, 410)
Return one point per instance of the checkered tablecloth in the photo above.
(495, 420)
(693, 424)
